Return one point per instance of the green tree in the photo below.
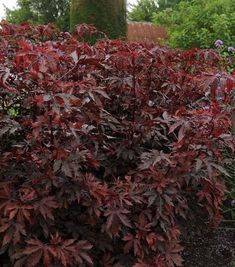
(53, 11)
(108, 16)
(23, 13)
(198, 23)
(144, 9)
(164, 4)
(41, 11)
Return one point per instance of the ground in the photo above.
(206, 247)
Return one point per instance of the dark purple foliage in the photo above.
(105, 148)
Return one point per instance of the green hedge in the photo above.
(199, 23)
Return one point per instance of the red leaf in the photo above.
(86, 257)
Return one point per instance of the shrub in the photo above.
(206, 21)
(227, 54)
(107, 147)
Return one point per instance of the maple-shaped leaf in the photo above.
(117, 214)
(9, 126)
(32, 254)
(13, 232)
(173, 256)
(149, 159)
(173, 233)
(46, 206)
(81, 255)
(20, 212)
(63, 251)
(133, 244)
(96, 188)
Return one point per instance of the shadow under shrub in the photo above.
(106, 146)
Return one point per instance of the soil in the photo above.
(204, 247)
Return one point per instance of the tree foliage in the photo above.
(164, 4)
(23, 13)
(198, 23)
(53, 11)
(144, 9)
(41, 12)
(107, 16)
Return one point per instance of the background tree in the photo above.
(164, 4)
(205, 22)
(23, 13)
(53, 11)
(144, 9)
(41, 11)
(108, 16)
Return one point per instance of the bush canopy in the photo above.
(199, 23)
(104, 148)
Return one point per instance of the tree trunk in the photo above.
(108, 16)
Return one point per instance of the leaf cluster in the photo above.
(110, 145)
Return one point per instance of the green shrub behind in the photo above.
(198, 23)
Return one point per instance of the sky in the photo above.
(8, 3)
(12, 4)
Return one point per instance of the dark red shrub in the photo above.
(102, 147)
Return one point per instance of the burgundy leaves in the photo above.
(101, 145)
(67, 253)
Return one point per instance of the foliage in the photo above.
(21, 14)
(227, 54)
(206, 21)
(41, 11)
(110, 146)
(53, 11)
(144, 9)
(164, 4)
(107, 16)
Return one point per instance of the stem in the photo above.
(134, 96)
